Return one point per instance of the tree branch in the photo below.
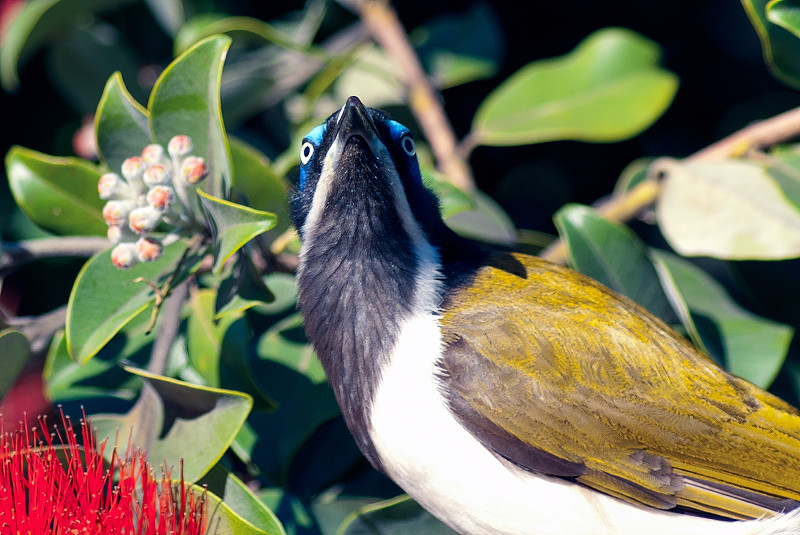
(382, 23)
(759, 135)
(168, 328)
(20, 253)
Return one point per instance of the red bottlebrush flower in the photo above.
(50, 488)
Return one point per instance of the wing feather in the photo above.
(627, 402)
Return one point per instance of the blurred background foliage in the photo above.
(552, 113)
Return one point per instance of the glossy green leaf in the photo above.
(449, 50)
(58, 194)
(219, 349)
(608, 89)
(398, 516)
(612, 254)
(85, 58)
(785, 169)
(292, 374)
(786, 14)
(242, 289)
(485, 222)
(170, 415)
(185, 100)
(751, 347)
(105, 298)
(257, 185)
(241, 501)
(121, 124)
(233, 225)
(451, 199)
(779, 45)
(14, 352)
(101, 376)
(39, 22)
(726, 209)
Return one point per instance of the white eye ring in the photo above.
(306, 152)
(407, 144)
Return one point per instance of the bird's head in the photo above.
(361, 164)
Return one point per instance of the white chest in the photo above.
(439, 464)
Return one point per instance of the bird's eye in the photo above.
(306, 152)
(407, 145)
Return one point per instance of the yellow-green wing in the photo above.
(561, 375)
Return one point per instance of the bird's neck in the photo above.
(359, 281)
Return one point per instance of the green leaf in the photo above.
(451, 199)
(398, 516)
(84, 59)
(786, 14)
(779, 45)
(613, 255)
(58, 194)
(121, 124)
(14, 352)
(451, 53)
(101, 376)
(608, 89)
(172, 415)
(485, 222)
(785, 169)
(105, 298)
(726, 209)
(218, 349)
(291, 372)
(242, 289)
(257, 184)
(185, 100)
(39, 22)
(751, 347)
(241, 501)
(233, 225)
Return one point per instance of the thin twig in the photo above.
(425, 103)
(759, 135)
(168, 328)
(39, 330)
(26, 251)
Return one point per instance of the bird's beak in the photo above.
(354, 121)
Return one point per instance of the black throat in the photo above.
(356, 287)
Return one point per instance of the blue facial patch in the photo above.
(396, 130)
(315, 138)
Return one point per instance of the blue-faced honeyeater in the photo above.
(509, 395)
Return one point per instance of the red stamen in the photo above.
(50, 484)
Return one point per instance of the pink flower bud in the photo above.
(144, 220)
(116, 212)
(161, 197)
(156, 174)
(124, 255)
(194, 170)
(114, 234)
(180, 146)
(132, 168)
(153, 154)
(112, 186)
(149, 249)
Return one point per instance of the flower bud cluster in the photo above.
(154, 188)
